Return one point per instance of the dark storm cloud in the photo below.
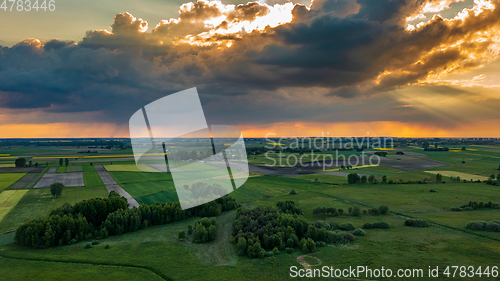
(343, 46)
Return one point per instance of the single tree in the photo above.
(384, 179)
(60, 161)
(492, 176)
(363, 179)
(56, 189)
(30, 163)
(371, 179)
(20, 162)
(439, 178)
(66, 162)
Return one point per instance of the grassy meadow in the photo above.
(156, 253)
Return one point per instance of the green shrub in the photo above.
(476, 225)
(182, 234)
(359, 232)
(190, 229)
(334, 225)
(347, 226)
(367, 225)
(384, 210)
(289, 250)
(73, 241)
(492, 226)
(417, 223)
(293, 192)
(348, 237)
(106, 247)
(276, 251)
(455, 209)
(356, 211)
(321, 244)
(381, 225)
(373, 211)
(95, 242)
(88, 245)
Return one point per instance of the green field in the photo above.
(8, 200)
(6, 179)
(13, 269)
(323, 178)
(38, 203)
(156, 253)
(397, 247)
(92, 178)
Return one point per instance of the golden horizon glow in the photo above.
(487, 129)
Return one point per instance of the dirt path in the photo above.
(131, 201)
(306, 265)
(111, 185)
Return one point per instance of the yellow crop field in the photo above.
(129, 168)
(463, 176)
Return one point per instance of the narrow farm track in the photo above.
(111, 185)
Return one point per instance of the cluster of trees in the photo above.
(68, 224)
(380, 225)
(203, 190)
(417, 223)
(288, 207)
(205, 230)
(473, 205)
(65, 162)
(280, 228)
(342, 167)
(381, 153)
(353, 211)
(354, 178)
(494, 180)
(436, 149)
(109, 216)
(493, 226)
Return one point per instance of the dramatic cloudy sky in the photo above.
(342, 67)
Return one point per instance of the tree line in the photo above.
(101, 217)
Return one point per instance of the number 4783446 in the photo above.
(28, 5)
